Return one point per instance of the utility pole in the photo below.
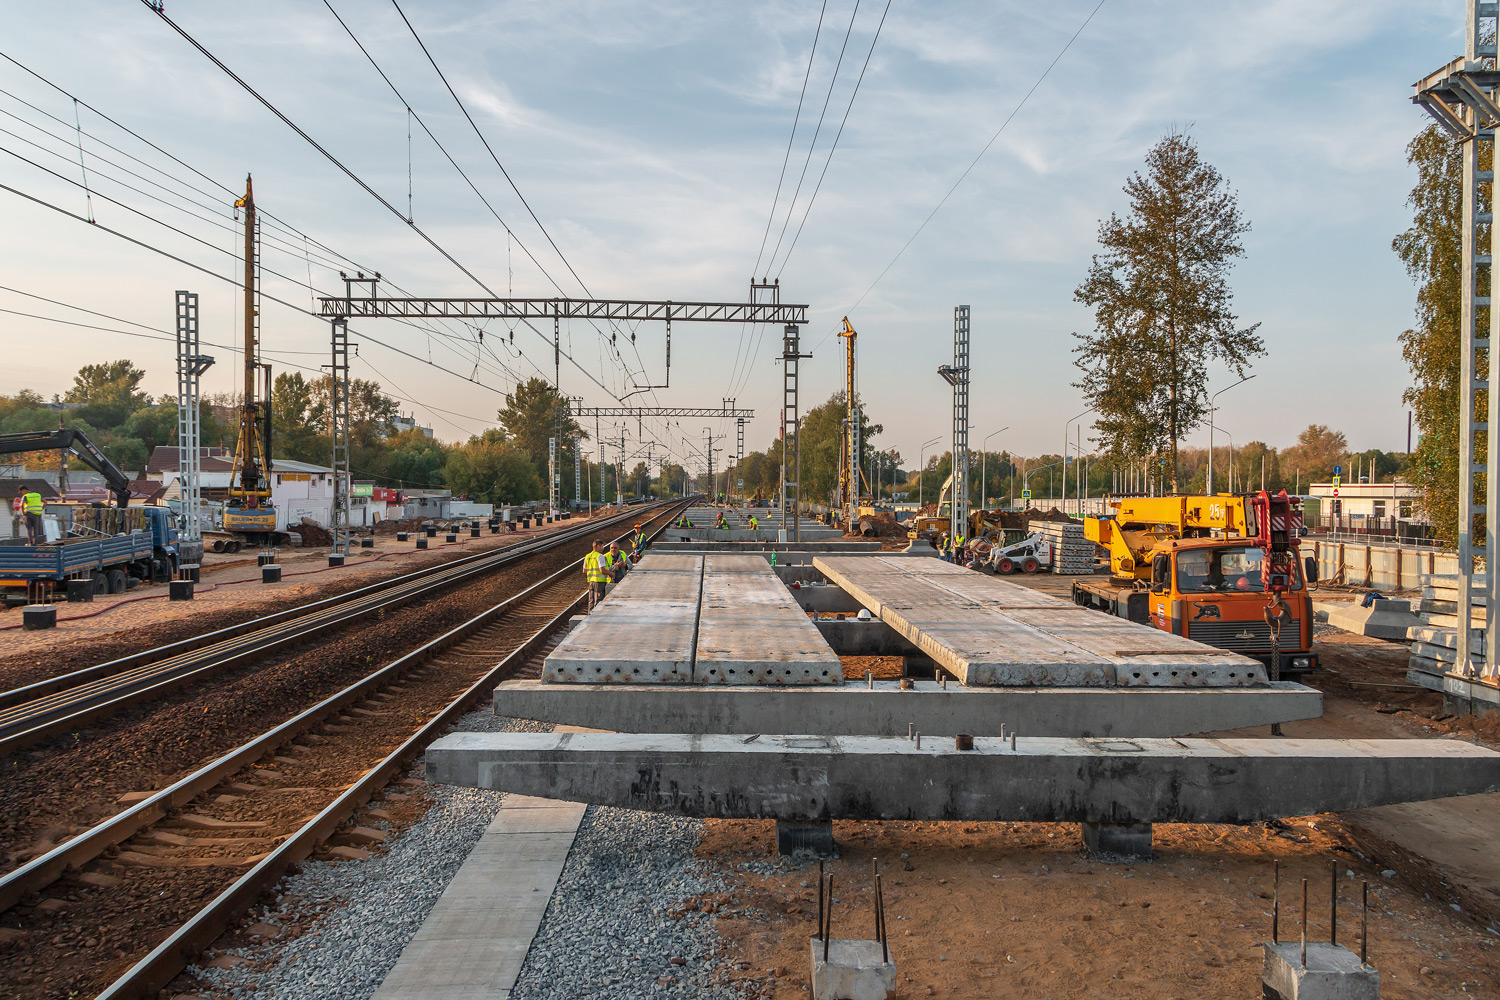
(708, 450)
(338, 395)
(957, 375)
(191, 364)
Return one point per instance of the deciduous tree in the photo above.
(1163, 309)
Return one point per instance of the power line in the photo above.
(798, 235)
(816, 131)
(1014, 111)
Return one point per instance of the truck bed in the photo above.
(59, 560)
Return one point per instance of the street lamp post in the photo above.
(1065, 456)
(1026, 479)
(1211, 429)
(984, 483)
(922, 466)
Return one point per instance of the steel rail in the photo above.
(42, 871)
(74, 678)
(66, 710)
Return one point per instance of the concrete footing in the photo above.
(1332, 972)
(80, 591)
(854, 970)
(422, 542)
(452, 536)
(38, 616)
(1035, 779)
(367, 543)
(336, 559)
(1129, 840)
(270, 574)
(883, 708)
(401, 536)
(180, 590)
(801, 836)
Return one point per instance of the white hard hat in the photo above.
(864, 614)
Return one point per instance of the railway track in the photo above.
(219, 837)
(64, 703)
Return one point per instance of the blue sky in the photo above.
(648, 138)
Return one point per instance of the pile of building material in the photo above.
(1383, 619)
(1434, 648)
(1072, 553)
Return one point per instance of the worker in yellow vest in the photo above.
(596, 573)
(638, 542)
(32, 507)
(754, 523)
(614, 561)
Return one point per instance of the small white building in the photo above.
(1369, 500)
(298, 489)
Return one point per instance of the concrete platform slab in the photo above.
(1044, 779)
(473, 943)
(853, 709)
(750, 629)
(645, 631)
(990, 632)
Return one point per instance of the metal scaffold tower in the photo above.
(791, 422)
(338, 374)
(1462, 96)
(552, 474)
(191, 364)
(849, 473)
(577, 474)
(957, 375)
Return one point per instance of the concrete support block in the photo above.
(80, 591)
(1033, 779)
(854, 970)
(1128, 840)
(38, 616)
(1332, 972)
(189, 571)
(430, 532)
(800, 836)
(336, 559)
(270, 574)
(367, 543)
(401, 536)
(422, 542)
(883, 708)
(180, 590)
(474, 531)
(452, 536)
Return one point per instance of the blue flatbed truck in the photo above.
(111, 563)
(113, 548)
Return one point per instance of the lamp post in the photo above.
(984, 483)
(1065, 456)
(922, 466)
(1026, 477)
(1230, 484)
(1211, 430)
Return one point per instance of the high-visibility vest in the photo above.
(639, 540)
(593, 566)
(31, 503)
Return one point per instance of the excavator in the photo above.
(1223, 570)
(248, 512)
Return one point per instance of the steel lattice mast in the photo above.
(1462, 97)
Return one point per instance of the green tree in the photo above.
(1162, 304)
(1313, 457)
(530, 417)
(109, 392)
(410, 458)
(1432, 249)
(491, 469)
(299, 416)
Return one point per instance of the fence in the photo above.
(1375, 566)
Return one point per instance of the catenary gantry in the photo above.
(630, 310)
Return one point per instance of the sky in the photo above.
(649, 140)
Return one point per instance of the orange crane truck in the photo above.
(1223, 570)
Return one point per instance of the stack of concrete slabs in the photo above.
(645, 631)
(992, 633)
(751, 631)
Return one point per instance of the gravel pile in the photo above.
(607, 930)
(370, 909)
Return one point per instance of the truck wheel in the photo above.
(116, 578)
(1006, 567)
(101, 585)
(1031, 565)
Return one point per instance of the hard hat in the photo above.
(864, 615)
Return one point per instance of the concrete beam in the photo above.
(1045, 779)
(852, 709)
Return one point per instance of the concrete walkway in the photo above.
(474, 941)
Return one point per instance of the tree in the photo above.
(1432, 251)
(108, 392)
(1162, 304)
(410, 458)
(1316, 452)
(640, 479)
(490, 469)
(299, 419)
(530, 418)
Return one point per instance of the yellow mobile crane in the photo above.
(249, 511)
(1221, 569)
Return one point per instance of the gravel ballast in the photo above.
(607, 924)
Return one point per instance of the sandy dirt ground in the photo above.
(1017, 909)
